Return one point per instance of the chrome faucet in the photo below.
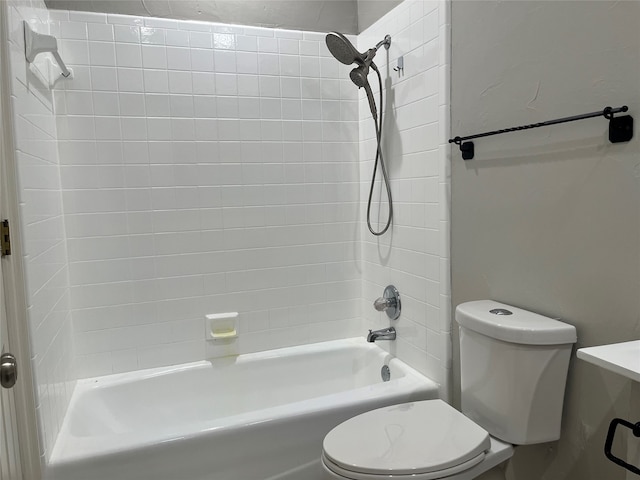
(382, 334)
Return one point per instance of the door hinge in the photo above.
(5, 238)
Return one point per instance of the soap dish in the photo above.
(221, 326)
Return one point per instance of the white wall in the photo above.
(414, 256)
(45, 255)
(549, 219)
(313, 15)
(370, 11)
(205, 169)
(211, 168)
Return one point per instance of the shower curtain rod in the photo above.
(620, 128)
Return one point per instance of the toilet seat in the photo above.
(440, 474)
(419, 440)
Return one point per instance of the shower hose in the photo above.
(377, 120)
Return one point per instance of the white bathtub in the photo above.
(252, 417)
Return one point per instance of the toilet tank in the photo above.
(513, 370)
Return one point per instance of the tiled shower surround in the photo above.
(42, 224)
(415, 256)
(205, 169)
(212, 168)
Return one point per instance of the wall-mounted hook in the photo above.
(400, 67)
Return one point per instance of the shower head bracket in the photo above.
(386, 42)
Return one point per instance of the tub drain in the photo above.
(385, 373)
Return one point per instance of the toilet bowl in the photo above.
(506, 354)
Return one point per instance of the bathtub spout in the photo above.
(383, 334)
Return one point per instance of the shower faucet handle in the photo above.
(389, 302)
(381, 303)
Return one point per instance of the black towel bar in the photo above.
(620, 129)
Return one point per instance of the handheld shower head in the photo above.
(342, 49)
(359, 75)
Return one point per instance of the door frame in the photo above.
(14, 276)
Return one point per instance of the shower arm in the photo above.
(386, 42)
(368, 59)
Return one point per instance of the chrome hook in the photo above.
(400, 67)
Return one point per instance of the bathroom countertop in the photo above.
(622, 358)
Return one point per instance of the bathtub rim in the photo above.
(103, 381)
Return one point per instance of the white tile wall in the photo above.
(415, 255)
(205, 168)
(45, 255)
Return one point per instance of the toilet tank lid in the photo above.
(520, 326)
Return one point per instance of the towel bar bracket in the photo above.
(620, 128)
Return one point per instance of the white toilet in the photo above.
(513, 369)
